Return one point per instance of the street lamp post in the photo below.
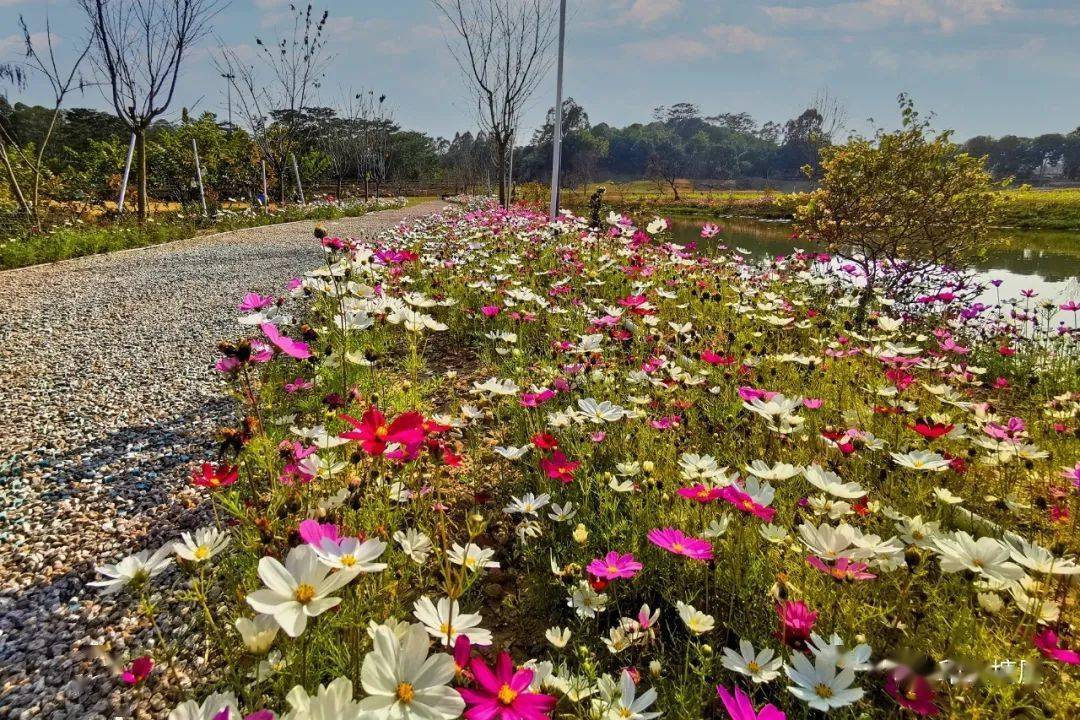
(556, 144)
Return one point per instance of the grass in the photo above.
(92, 237)
(1027, 208)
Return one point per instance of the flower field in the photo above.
(497, 468)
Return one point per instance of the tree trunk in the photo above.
(500, 153)
(14, 181)
(338, 193)
(140, 171)
(864, 303)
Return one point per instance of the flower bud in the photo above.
(581, 535)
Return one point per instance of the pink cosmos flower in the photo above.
(254, 301)
(675, 541)
(813, 403)
(138, 670)
(1049, 644)
(292, 348)
(912, 692)
(1072, 473)
(1010, 432)
(843, 569)
(797, 621)
(531, 400)
(614, 566)
(490, 310)
(314, 532)
(701, 493)
(716, 359)
(214, 476)
(297, 385)
(709, 230)
(747, 504)
(666, 423)
(503, 694)
(739, 707)
(558, 467)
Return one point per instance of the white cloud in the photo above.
(711, 41)
(15, 45)
(863, 15)
(646, 12)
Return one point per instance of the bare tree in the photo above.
(139, 48)
(502, 48)
(274, 107)
(61, 82)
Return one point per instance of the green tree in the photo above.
(900, 206)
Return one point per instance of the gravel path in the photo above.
(108, 400)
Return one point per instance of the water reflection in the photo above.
(1046, 262)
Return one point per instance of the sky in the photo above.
(980, 66)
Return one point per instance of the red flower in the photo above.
(210, 476)
(544, 441)
(138, 670)
(931, 430)
(374, 433)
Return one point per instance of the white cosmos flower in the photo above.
(472, 556)
(921, 460)
(513, 453)
(585, 601)
(918, 532)
(717, 527)
(404, 683)
(819, 685)
(562, 513)
(495, 386)
(558, 636)
(329, 701)
(207, 543)
(857, 658)
(830, 543)
(960, 551)
(1039, 559)
(297, 590)
(446, 622)
(658, 225)
(600, 412)
(134, 569)
(258, 634)
(349, 553)
(779, 471)
(831, 483)
(209, 709)
(761, 667)
(699, 467)
(415, 544)
(630, 707)
(695, 620)
(527, 504)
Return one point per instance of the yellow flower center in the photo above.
(382, 431)
(677, 547)
(507, 695)
(626, 712)
(446, 629)
(348, 560)
(405, 692)
(753, 667)
(202, 552)
(612, 569)
(823, 691)
(304, 593)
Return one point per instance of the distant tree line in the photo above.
(683, 143)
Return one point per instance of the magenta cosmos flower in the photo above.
(614, 566)
(292, 348)
(701, 493)
(912, 692)
(1049, 644)
(504, 694)
(797, 621)
(843, 569)
(744, 502)
(739, 707)
(675, 541)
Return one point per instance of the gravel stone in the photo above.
(109, 398)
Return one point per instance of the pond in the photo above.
(1046, 262)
